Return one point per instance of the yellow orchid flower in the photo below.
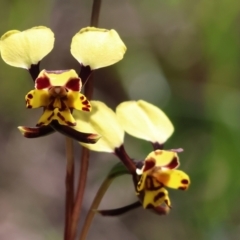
(157, 172)
(58, 92)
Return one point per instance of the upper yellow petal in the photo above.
(97, 48)
(144, 120)
(103, 121)
(22, 49)
(162, 158)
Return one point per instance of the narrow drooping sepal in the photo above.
(36, 132)
(119, 211)
(89, 138)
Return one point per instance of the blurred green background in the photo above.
(183, 56)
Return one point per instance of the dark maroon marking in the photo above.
(168, 204)
(39, 124)
(73, 84)
(86, 102)
(184, 181)
(86, 109)
(42, 82)
(35, 132)
(150, 184)
(149, 163)
(29, 106)
(49, 118)
(182, 188)
(173, 164)
(158, 196)
(71, 124)
(61, 116)
(82, 97)
(149, 206)
(30, 96)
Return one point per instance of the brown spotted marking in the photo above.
(42, 82)
(70, 124)
(61, 116)
(86, 109)
(173, 164)
(149, 163)
(30, 96)
(159, 196)
(184, 181)
(152, 184)
(49, 118)
(73, 84)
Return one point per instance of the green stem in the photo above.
(97, 200)
(69, 186)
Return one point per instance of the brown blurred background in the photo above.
(183, 56)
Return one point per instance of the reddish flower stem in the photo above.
(80, 192)
(88, 91)
(69, 186)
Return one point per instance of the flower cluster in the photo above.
(68, 111)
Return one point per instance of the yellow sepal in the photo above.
(97, 48)
(22, 49)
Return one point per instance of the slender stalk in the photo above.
(80, 192)
(126, 160)
(97, 200)
(95, 12)
(88, 90)
(69, 186)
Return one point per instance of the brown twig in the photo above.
(69, 186)
(88, 90)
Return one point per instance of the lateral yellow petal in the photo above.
(167, 159)
(103, 121)
(78, 101)
(97, 48)
(22, 49)
(144, 120)
(173, 178)
(37, 98)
